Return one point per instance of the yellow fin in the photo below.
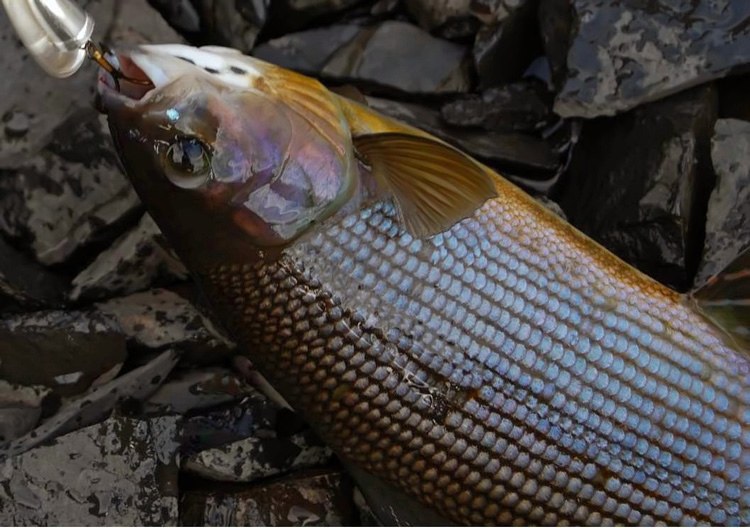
(433, 184)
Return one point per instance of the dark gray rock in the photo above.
(20, 409)
(307, 51)
(87, 322)
(639, 182)
(522, 106)
(93, 407)
(555, 19)
(434, 14)
(505, 48)
(181, 14)
(135, 261)
(26, 285)
(160, 318)
(233, 24)
(198, 389)
(120, 472)
(288, 16)
(253, 458)
(376, 55)
(627, 52)
(315, 499)
(728, 218)
(510, 152)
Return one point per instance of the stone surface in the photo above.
(292, 15)
(20, 409)
(135, 261)
(181, 14)
(26, 285)
(522, 106)
(233, 24)
(432, 14)
(627, 52)
(315, 499)
(159, 318)
(376, 55)
(197, 389)
(504, 49)
(555, 19)
(254, 458)
(120, 472)
(307, 51)
(639, 182)
(728, 218)
(90, 408)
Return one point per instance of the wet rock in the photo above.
(505, 48)
(135, 261)
(555, 19)
(522, 106)
(638, 183)
(440, 14)
(93, 407)
(66, 361)
(307, 51)
(16, 124)
(79, 321)
(24, 284)
(233, 24)
(20, 409)
(512, 153)
(181, 14)
(197, 389)
(728, 218)
(160, 318)
(292, 15)
(120, 472)
(316, 499)
(376, 55)
(628, 52)
(253, 458)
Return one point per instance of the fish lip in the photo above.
(130, 63)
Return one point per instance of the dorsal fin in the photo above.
(433, 184)
(725, 299)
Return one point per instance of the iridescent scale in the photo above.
(506, 371)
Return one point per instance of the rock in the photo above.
(728, 218)
(555, 19)
(233, 24)
(511, 153)
(79, 321)
(197, 389)
(524, 106)
(160, 318)
(307, 51)
(20, 409)
(313, 499)
(25, 285)
(638, 183)
(66, 361)
(504, 49)
(624, 53)
(61, 188)
(136, 385)
(181, 14)
(135, 261)
(254, 458)
(433, 14)
(292, 15)
(376, 55)
(120, 472)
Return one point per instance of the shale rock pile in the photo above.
(122, 403)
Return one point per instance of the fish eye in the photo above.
(188, 162)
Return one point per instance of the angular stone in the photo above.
(504, 49)
(20, 409)
(432, 14)
(307, 51)
(87, 322)
(181, 14)
(376, 55)
(120, 472)
(233, 24)
(159, 318)
(728, 218)
(627, 52)
(311, 499)
(26, 285)
(524, 106)
(638, 183)
(555, 18)
(136, 385)
(292, 15)
(254, 458)
(135, 261)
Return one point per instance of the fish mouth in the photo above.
(133, 80)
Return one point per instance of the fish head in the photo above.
(230, 157)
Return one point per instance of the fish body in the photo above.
(491, 362)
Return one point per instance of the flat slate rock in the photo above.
(728, 218)
(314, 499)
(624, 53)
(120, 472)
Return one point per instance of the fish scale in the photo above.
(545, 396)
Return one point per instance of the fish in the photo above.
(451, 339)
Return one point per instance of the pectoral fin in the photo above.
(725, 299)
(433, 184)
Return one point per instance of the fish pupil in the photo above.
(188, 155)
